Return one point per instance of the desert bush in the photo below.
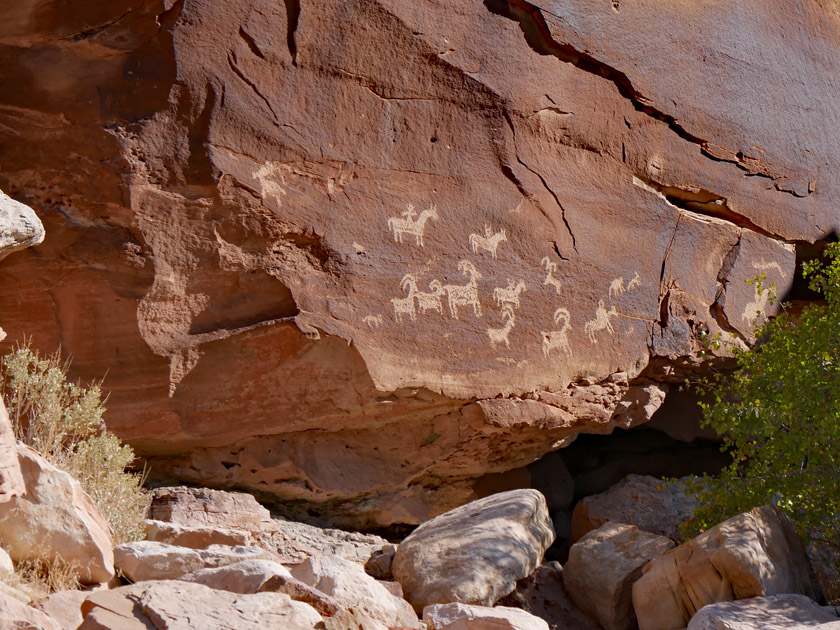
(64, 422)
(779, 415)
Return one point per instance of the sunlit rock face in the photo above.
(355, 255)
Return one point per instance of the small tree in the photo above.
(779, 415)
(63, 421)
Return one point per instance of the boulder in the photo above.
(15, 593)
(20, 227)
(755, 554)
(293, 542)
(247, 576)
(350, 586)
(203, 507)
(175, 605)
(7, 567)
(149, 560)
(777, 612)
(15, 615)
(353, 619)
(65, 607)
(468, 617)
(56, 518)
(380, 563)
(651, 504)
(325, 605)
(11, 477)
(602, 567)
(474, 554)
(543, 594)
(195, 537)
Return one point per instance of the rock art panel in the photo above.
(307, 232)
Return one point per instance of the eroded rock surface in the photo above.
(651, 504)
(174, 605)
(56, 518)
(288, 215)
(755, 554)
(474, 554)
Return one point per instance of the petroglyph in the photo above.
(755, 309)
(558, 339)
(509, 294)
(268, 175)
(765, 266)
(550, 280)
(635, 283)
(601, 321)
(373, 321)
(407, 224)
(500, 335)
(464, 295)
(431, 301)
(616, 287)
(489, 241)
(405, 306)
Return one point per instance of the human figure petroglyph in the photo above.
(464, 295)
(373, 321)
(555, 339)
(635, 283)
(407, 224)
(550, 280)
(617, 287)
(601, 321)
(489, 241)
(509, 294)
(500, 335)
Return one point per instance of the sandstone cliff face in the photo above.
(356, 254)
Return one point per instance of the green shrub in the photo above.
(63, 421)
(779, 415)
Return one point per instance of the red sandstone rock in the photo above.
(281, 220)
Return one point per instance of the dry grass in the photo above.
(64, 422)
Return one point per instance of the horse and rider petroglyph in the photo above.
(509, 294)
(601, 321)
(408, 224)
(489, 241)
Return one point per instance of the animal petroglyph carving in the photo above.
(373, 321)
(635, 283)
(509, 294)
(464, 295)
(550, 280)
(489, 241)
(405, 306)
(767, 266)
(601, 321)
(268, 176)
(555, 339)
(616, 287)
(500, 335)
(407, 224)
(755, 309)
(431, 301)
